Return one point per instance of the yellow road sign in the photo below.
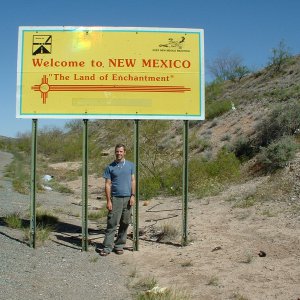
(110, 73)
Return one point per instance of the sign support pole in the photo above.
(136, 206)
(85, 186)
(33, 184)
(185, 184)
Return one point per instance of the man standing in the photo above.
(120, 197)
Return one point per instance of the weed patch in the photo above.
(217, 108)
(245, 203)
(19, 171)
(209, 177)
(13, 221)
(277, 154)
(97, 215)
(168, 232)
(213, 280)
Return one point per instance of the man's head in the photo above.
(120, 151)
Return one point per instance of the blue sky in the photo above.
(246, 28)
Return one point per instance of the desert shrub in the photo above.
(13, 221)
(59, 146)
(7, 144)
(217, 108)
(279, 56)
(149, 187)
(42, 234)
(280, 94)
(214, 90)
(277, 154)
(23, 142)
(205, 177)
(146, 283)
(168, 232)
(61, 188)
(284, 119)
(45, 224)
(245, 202)
(45, 219)
(98, 214)
(173, 180)
(243, 148)
(228, 66)
(200, 144)
(225, 166)
(165, 294)
(19, 171)
(168, 182)
(208, 177)
(239, 72)
(53, 143)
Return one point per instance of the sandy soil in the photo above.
(223, 258)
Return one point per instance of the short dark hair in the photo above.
(120, 146)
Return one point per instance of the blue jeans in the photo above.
(119, 215)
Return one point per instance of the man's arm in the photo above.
(108, 194)
(133, 185)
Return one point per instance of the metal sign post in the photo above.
(136, 206)
(33, 184)
(185, 184)
(85, 186)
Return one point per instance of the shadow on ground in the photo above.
(66, 234)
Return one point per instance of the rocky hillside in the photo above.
(251, 98)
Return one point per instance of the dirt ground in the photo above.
(233, 253)
(223, 260)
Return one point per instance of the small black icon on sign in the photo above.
(41, 44)
(173, 43)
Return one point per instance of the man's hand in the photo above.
(109, 205)
(132, 200)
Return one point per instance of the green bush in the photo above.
(214, 90)
(6, 144)
(277, 154)
(149, 187)
(208, 178)
(169, 182)
(283, 120)
(205, 177)
(59, 146)
(13, 221)
(59, 187)
(53, 143)
(216, 108)
(23, 142)
(19, 171)
(279, 56)
(98, 214)
(243, 148)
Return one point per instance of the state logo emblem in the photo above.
(41, 44)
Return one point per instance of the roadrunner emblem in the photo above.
(173, 43)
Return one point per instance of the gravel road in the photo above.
(55, 270)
